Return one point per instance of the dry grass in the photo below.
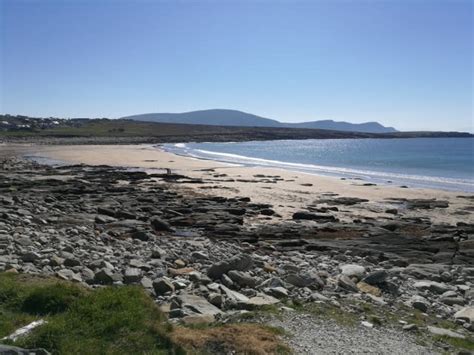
(236, 338)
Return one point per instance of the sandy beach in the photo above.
(287, 191)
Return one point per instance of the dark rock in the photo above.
(141, 235)
(241, 278)
(160, 225)
(132, 275)
(241, 263)
(376, 278)
(302, 215)
(104, 277)
(162, 286)
(311, 280)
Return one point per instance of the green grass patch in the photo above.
(109, 320)
(112, 320)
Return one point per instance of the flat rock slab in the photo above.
(260, 301)
(445, 332)
(13, 350)
(466, 314)
(198, 304)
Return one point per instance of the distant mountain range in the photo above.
(222, 117)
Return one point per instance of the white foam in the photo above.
(335, 170)
(379, 176)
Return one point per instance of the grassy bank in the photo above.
(111, 320)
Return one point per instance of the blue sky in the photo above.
(403, 63)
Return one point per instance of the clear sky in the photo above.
(407, 64)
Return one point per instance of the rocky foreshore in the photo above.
(209, 258)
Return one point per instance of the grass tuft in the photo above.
(248, 339)
(114, 320)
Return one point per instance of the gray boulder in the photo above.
(198, 304)
(466, 314)
(311, 280)
(241, 278)
(104, 277)
(353, 270)
(241, 263)
(132, 275)
(163, 285)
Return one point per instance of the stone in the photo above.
(146, 282)
(71, 262)
(196, 276)
(104, 277)
(445, 332)
(466, 314)
(241, 278)
(56, 261)
(419, 302)
(278, 292)
(179, 263)
(216, 299)
(30, 257)
(233, 296)
(158, 253)
(316, 296)
(346, 283)
(432, 286)
(466, 244)
(181, 271)
(260, 300)
(103, 219)
(141, 235)
(132, 275)
(199, 255)
(269, 268)
(311, 280)
(353, 270)
(162, 286)
(366, 288)
(367, 324)
(451, 301)
(139, 265)
(14, 350)
(410, 327)
(302, 215)
(65, 274)
(241, 263)
(159, 225)
(376, 278)
(198, 304)
(426, 271)
(227, 281)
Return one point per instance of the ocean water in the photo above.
(441, 163)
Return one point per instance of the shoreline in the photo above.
(288, 191)
(370, 176)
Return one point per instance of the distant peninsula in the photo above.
(52, 130)
(224, 117)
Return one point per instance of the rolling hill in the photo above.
(223, 117)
